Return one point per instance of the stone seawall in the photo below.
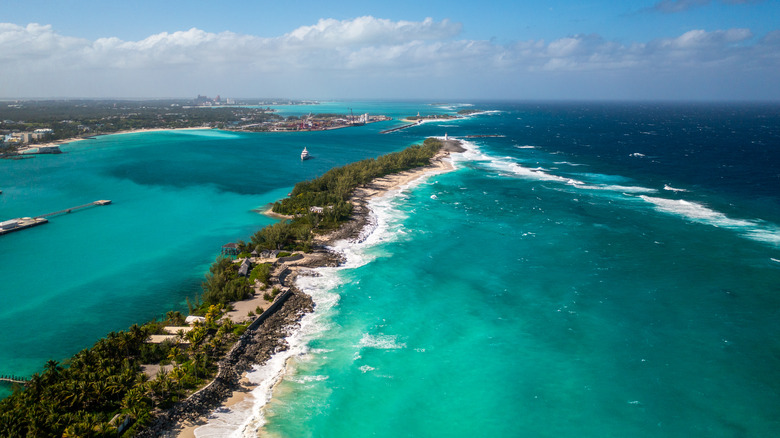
(265, 336)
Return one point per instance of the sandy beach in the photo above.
(321, 256)
(132, 131)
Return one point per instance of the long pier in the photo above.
(15, 379)
(22, 223)
(69, 210)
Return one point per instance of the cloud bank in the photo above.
(372, 57)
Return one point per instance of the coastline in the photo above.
(240, 391)
(130, 131)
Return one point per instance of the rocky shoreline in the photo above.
(268, 333)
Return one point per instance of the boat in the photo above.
(305, 154)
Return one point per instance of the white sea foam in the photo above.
(381, 342)
(307, 379)
(752, 229)
(245, 419)
(367, 368)
(672, 189)
(528, 146)
(508, 166)
(617, 188)
(569, 164)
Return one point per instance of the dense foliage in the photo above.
(82, 397)
(331, 191)
(223, 284)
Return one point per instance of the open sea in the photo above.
(588, 270)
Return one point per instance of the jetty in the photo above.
(22, 223)
(387, 131)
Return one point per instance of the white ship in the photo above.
(305, 154)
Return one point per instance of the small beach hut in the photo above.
(245, 268)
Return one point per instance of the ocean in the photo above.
(588, 269)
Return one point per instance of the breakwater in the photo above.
(387, 131)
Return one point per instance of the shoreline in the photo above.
(352, 230)
(129, 131)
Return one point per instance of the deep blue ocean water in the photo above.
(597, 270)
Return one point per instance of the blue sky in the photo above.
(630, 50)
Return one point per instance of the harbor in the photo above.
(23, 223)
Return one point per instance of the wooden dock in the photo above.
(22, 223)
(15, 379)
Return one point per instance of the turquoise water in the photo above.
(535, 292)
(598, 270)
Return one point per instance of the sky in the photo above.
(507, 49)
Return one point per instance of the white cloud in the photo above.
(353, 55)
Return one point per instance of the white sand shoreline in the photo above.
(130, 131)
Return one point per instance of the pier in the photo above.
(72, 209)
(14, 379)
(22, 223)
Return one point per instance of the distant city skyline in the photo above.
(633, 50)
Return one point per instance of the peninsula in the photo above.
(168, 374)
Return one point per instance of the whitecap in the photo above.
(367, 368)
(757, 230)
(307, 379)
(672, 189)
(618, 188)
(380, 342)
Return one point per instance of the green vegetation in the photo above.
(98, 383)
(331, 191)
(261, 273)
(223, 284)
